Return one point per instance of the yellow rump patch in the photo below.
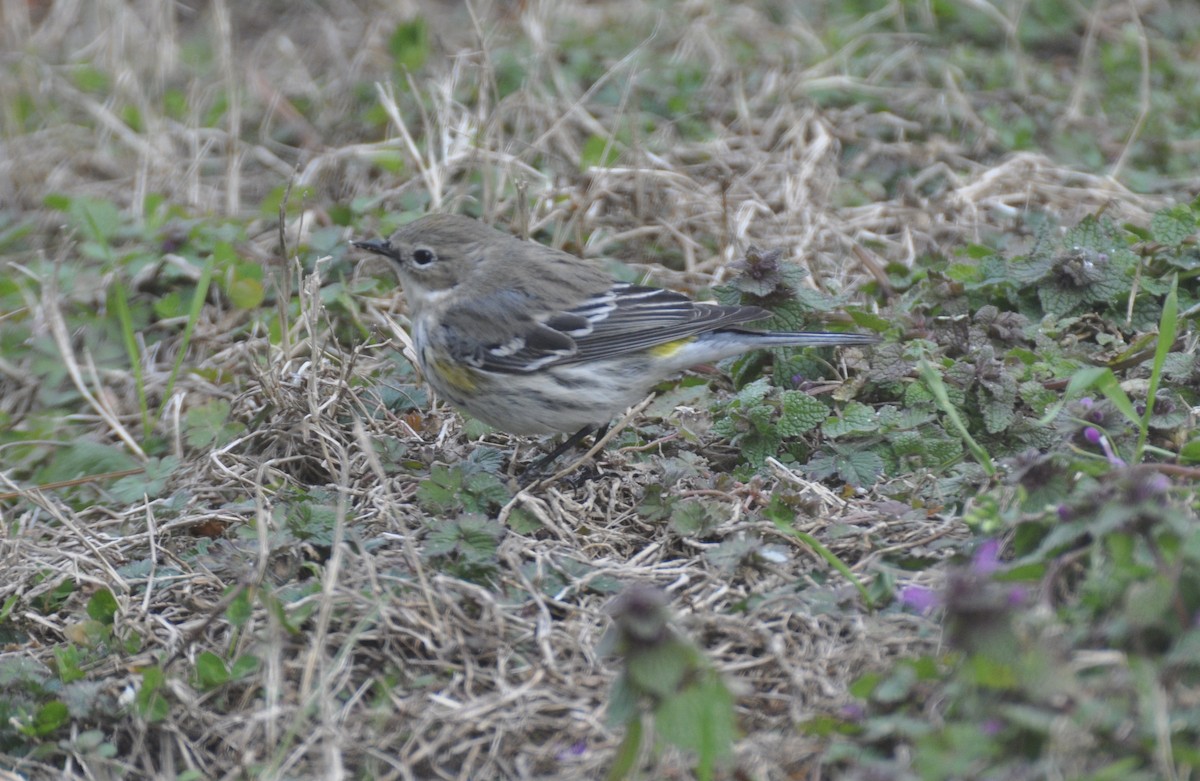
(668, 349)
(455, 375)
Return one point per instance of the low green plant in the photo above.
(667, 678)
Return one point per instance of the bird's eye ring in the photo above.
(423, 256)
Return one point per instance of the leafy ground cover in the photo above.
(240, 538)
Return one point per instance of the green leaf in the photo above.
(150, 703)
(244, 666)
(622, 702)
(1146, 603)
(210, 424)
(696, 517)
(210, 671)
(150, 482)
(658, 671)
(441, 491)
(240, 608)
(800, 413)
(864, 686)
(83, 458)
(998, 415)
(90, 79)
(856, 467)
(657, 504)
(409, 45)
(1190, 452)
(102, 606)
(856, 418)
(1173, 225)
(483, 492)
(598, 152)
(50, 717)
(68, 663)
(245, 293)
(700, 719)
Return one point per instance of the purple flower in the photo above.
(1113, 458)
(991, 727)
(1093, 435)
(852, 712)
(919, 598)
(577, 749)
(1017, 596)
(987, 558)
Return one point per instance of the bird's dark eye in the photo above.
(423, 257)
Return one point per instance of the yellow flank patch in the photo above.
(670, 348)
(455, 375)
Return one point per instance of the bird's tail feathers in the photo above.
(806, 338)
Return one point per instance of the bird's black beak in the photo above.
(379, 248)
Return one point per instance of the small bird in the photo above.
(533, 340)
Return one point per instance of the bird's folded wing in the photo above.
(626, 319)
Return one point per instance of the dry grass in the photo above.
(394, 669)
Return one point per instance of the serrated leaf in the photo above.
(482, 491)
(751, 394)
(1036, 396)
(861, 468)
(658, 671)
(800, 413)
(759, 446)
(761, 418)
(440, 492)
(907, 443)
(151, 482)
(1029, 271)
(524, 522)
(208, 423)
(656, 504)
(700, 719)
(943, 450)
(472, 536)
(732, 553)
(1058, 301)
(68, 663)
(854, 467)
(997, 415)
(917, 394)
(102, 606)
(486, 459)
(84, 457)
(856, 418)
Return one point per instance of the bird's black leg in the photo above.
(538, 467)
